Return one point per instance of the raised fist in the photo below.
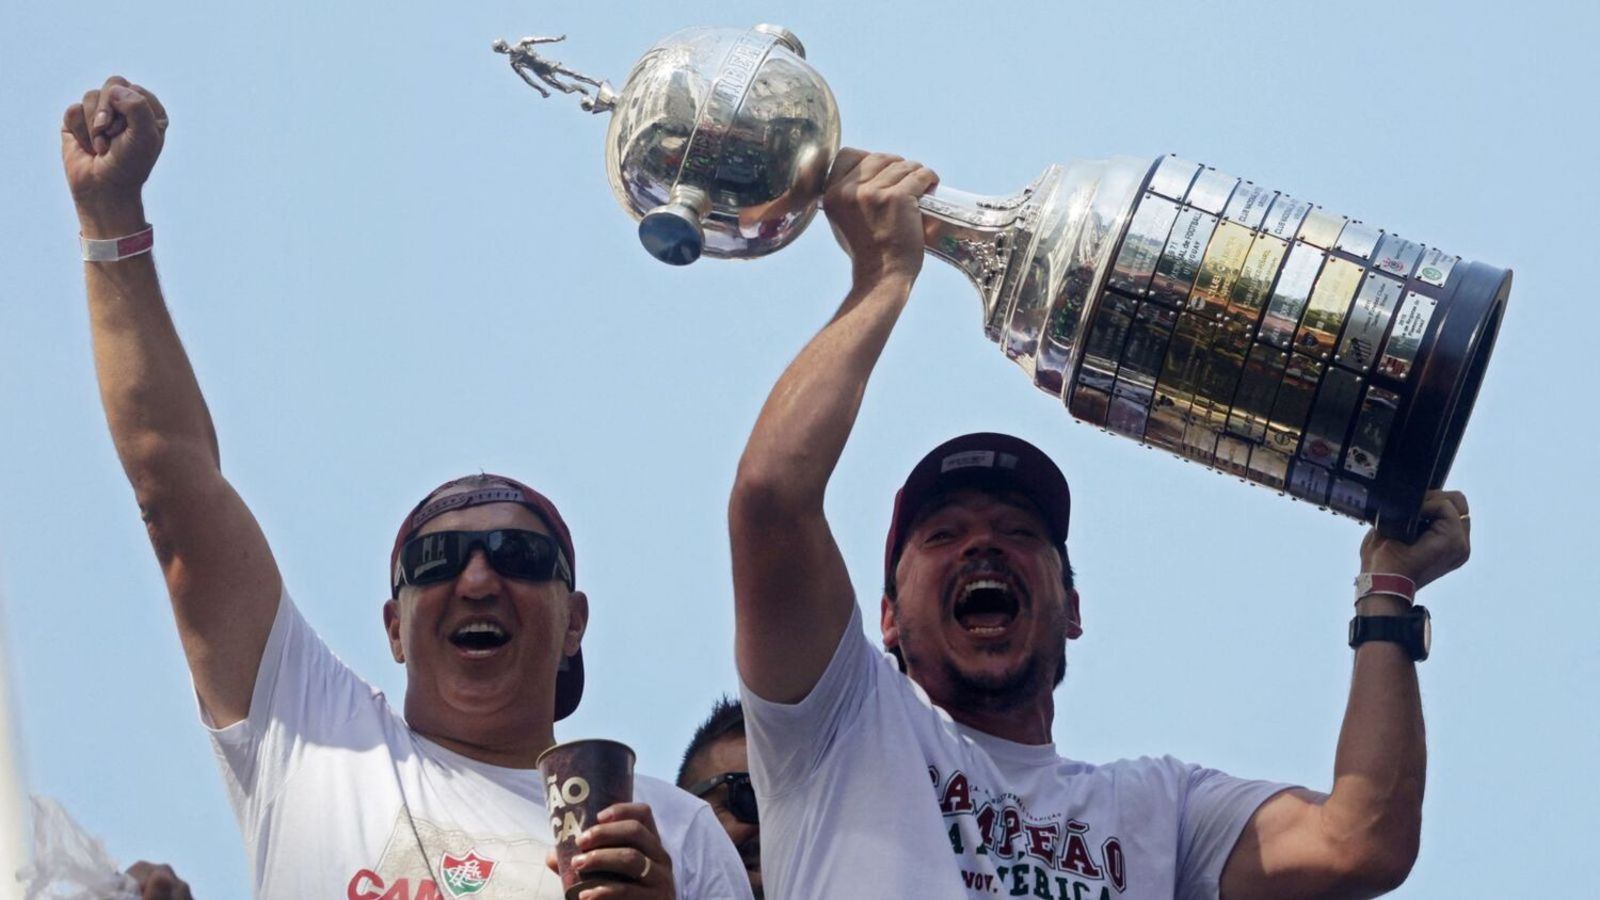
(110, 142)
(872, 204)
(1442, 547)
(157, 881)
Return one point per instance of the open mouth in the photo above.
(480, 638)
(985, 607)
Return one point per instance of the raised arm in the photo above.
(1361, 839)
(792, 593)
(219, 571)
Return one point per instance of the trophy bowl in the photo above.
(1236, 326)
(721, 142)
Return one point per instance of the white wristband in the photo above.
(1370, 583)
(114, 249)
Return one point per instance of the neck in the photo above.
(522, 754)
(496, 740)
(1024, 723)
(1019, 708)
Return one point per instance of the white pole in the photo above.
(13, 816)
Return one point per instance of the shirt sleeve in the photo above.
(303, 695)
(789, 741)
(711, 869)
(1215, 810)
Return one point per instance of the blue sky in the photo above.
(392, 264)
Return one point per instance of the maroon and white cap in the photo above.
(984, 460)
(489, 488)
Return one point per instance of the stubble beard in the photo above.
(1006, 691)
(1041, 672)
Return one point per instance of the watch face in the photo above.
(1423, 631)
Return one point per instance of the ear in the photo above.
(1074, 617)
(577, 622)
(886, 622)
(391, 624)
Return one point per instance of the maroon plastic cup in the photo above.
(580, 779)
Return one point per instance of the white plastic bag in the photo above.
(69, 863)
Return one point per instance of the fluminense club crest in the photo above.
(465, 875)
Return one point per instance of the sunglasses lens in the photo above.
(432, 558)
(521, 554)
(742, 801)
(514, 553)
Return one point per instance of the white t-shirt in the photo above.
(337, 797)
(868, 790)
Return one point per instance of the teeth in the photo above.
(481, 628)
(984, 585)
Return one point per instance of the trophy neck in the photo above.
(980, 234)
(1038, 256)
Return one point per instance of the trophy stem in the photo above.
(978, 235)
(1037, 256)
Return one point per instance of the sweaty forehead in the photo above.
(977, 500)
(485, 517)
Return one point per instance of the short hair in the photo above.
(727, 718)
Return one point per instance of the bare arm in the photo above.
(1361, 839)
(792, 593)
(219, 571)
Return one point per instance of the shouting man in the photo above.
(931, 772)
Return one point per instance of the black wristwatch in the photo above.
(1412, 630)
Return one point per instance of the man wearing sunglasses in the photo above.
(337, 793)
(932, 772)
(716, 768)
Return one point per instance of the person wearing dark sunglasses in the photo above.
(337, 792)
(716, 768)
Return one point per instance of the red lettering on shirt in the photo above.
(367, 882)
(1116, 863)
(1075, 857)
(1011, 825)
(957, 795)
(1042, 841)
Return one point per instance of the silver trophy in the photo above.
(1236, 326)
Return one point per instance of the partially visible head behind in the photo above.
(725, 722)
(482, 609)
(978, 587)
(716, 767)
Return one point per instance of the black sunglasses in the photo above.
(741, 796)
(513, 552)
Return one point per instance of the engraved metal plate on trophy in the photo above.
(1234, 325)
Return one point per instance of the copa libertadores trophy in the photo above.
(1237, 326)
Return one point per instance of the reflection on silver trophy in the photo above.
(1237, 326)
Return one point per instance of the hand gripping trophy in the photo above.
(1236, 326)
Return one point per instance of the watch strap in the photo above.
(1406, 630)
